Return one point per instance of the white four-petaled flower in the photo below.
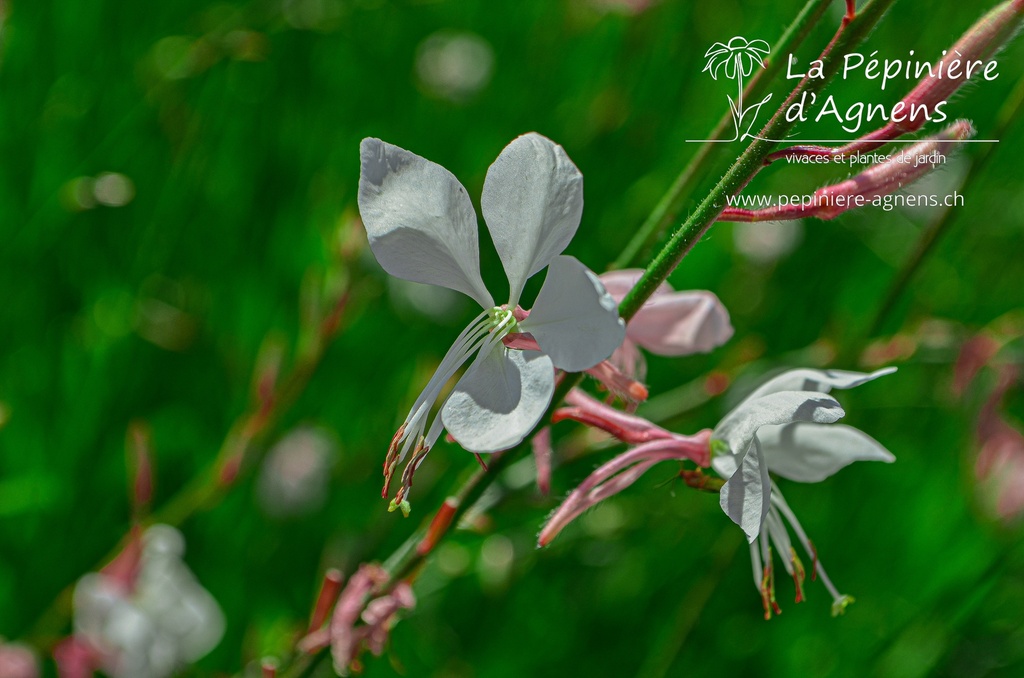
(787, 427)
(422, 227)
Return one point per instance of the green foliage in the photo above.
(238, 125)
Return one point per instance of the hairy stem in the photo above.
(658, 219)
(931, 236)
(851, 33)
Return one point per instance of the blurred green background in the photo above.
(174, 174)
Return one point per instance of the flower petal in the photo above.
(809, 453)
(419, 220)
(575, 321)
(619, 283)
(739, 427)
(816, 380)
(499, 399)
(681, 323)
(746, 498)
(532, 202)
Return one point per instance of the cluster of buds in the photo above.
(893, 172)
(361, 600)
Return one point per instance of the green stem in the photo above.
(791, 39)
(850, 34)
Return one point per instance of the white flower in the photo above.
(154, 625)
(422, 227)
(787, 427)
(295, 476)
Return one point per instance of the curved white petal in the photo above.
(575, 321)
(532, 202)
(499, 399)
(746, 498)
(809, 453)
(419, 220)
(619, 283)
(681, 323)
(739, 427)
(816, 380)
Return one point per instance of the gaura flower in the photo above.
(146, 614)
(670, 323)
(422, 227)
(787, 427)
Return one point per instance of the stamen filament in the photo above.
(839, 599)
(479, 337)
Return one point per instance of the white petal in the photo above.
(619, 283)
(681, 323)
(532, 202)
(575, 321)
(809, 453)
(746, 497)
(419, 220)
(499, 399)
(739, 427)
(817, 380)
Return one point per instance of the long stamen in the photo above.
(840, 601)
(768, 579)
(480, 337)
(755, 561)
(780, 536)
(452, 360)
(411, 431)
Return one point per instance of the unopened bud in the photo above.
(962, 62)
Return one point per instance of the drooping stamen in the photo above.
(755, 561)
(411, 430)
(479, 337)
(768, 580)
(780, 537)
(839, 601)
(799, 574)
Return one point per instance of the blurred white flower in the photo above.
(113, 189)
(767, 241)
(454, 65)
(294, 479)
(431, 301)
(17, 661)
(154, 623)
